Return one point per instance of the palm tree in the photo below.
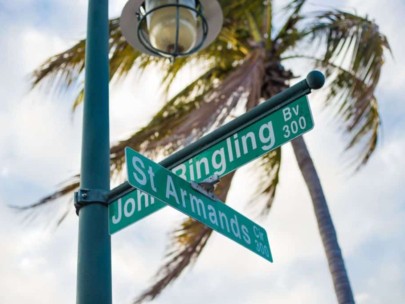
(247, 64)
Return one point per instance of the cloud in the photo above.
(41, 145)
(31, 272)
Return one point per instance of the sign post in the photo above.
(94, 247)
(236, 149)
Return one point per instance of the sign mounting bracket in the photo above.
(90, 196)
(207, 187)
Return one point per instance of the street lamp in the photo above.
(171, 28)
(167, 28)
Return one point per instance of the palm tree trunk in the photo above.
(326, 228)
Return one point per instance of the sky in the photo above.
(40, 148)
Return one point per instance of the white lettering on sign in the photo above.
(138, 166)
(266, 135)
(235, 148)
(140, 175)
(128, 208)
(294, 123)
(287, 112)
(206, 211)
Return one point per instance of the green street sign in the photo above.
(221, 158)
(249, 143)
(159, 182)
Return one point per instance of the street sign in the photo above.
(159, 182)
(249, 143)
(221, 158)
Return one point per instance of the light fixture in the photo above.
(171, 28)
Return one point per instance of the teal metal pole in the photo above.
(94, 253)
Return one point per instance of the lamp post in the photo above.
(168, 28)
(94, 252)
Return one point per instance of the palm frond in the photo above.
(214, 108)
(358, 111)
(61, 70)
(34, 212)
(354, 105)
(267, 25)
(174, 126)
(68, 188)
(230, 38)
(123, 57)
(197, 236)
(353, 58)
(235, 9)
(268, 167)
(289, 34)
(79, 98)
(254, 28)
(353, 40)
(64, 70)
(169, 116)
(186, 246)
(247, 19)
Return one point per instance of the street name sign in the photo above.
(238, 149)
(161, 183)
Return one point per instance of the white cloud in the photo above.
(37, 133)
(33, 261)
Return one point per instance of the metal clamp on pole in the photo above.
(90, 196)
(207, 187)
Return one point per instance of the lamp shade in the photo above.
(171, 28)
